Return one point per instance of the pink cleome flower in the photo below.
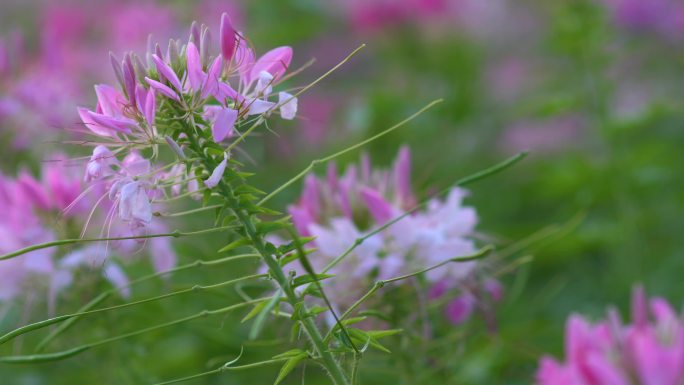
(648, 351)
(337, 210)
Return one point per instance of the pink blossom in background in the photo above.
(338, 209)
(509, 78)
(35, 211)
(664, 17)
(372, 15)
(548, 135)
(649, 350)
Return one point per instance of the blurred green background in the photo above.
(593, 95)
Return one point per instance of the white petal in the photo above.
(288, 105)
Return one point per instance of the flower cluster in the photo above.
(338, 210)
(648, 351)
(663, 17)
(42, 210)
(217, 93)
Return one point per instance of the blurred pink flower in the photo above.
(648, 351)
(546, 135)
(338, 210)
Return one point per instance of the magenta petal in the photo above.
(381, 210)
(140, 97)
(166, 72)
(150, 109)
(275, 62)
(223, 124)
(310, 196)
(301, 219)
(195, 73)
(211, 82)
(33, 190)
(244, 58)
(460, 309)
(129, 78)
(92, 126)
(163, 89)
(228, 38)
(494, 289)
(225, 91)
(123, 125)
(110, 100)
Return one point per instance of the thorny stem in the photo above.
(226, 191)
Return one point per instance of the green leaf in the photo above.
(234, 244)
(269, 227)
(362, 338)
(263, 313)
(377, 334)
(289, 366)
(255, 310)
(248, 189)
(375, 313)
(289, 353)
(308, 278)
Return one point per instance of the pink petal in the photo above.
(150, 110)
(116, 276)
(225, 91)
(92, 125)
(195, 73)
(244, 58)
(228, 38)
(123, 125)
(460, 309)
(381, 210)
(301, 219)
(110, 100)
(210, 85)
(163, 256)
(33, 190)
(163, 89)
(129, 78)
(217, 174)
(310, 196)
(223, 124)
(166, 72)
(275, 62)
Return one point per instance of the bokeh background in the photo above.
(592, 88)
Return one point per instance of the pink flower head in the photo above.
(337, 210)
(649, 351)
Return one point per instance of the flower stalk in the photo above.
(225, 190)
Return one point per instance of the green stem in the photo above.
(61, 242)
(315, 336)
